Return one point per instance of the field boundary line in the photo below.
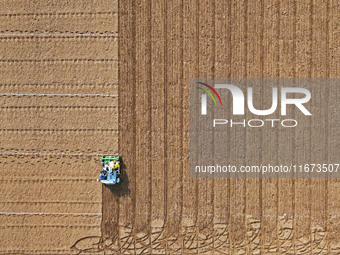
(49, 180)
(36, 84)
(46, 213)
(74, 60)
(50, 202)
(61, 95)
(69, 107)
(58, 34)
(59, 14)
(48, 226)
(56, 153)
(57, 130)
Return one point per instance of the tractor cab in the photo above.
(110, 173)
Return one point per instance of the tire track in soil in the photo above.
(302, 225)
(110, 195)
(119, 201)
(253, 137)
(158, 115)
(237, 137)
(286, 187)
(333, 226)
(174, 124)
(269, 191)
(206, 61)
(222, 69)
(190, 70)
(319, 66)
(142, 227)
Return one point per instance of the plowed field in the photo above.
(147, 52)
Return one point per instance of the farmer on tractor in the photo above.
(110, 172)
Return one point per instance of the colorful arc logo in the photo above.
(209, 93)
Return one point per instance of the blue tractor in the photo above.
(110, 170)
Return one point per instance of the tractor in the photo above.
(110, 170)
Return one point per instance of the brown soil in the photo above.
(56, 60)
(158, 208)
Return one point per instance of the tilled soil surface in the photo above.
(159, 209)
(50, 202)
